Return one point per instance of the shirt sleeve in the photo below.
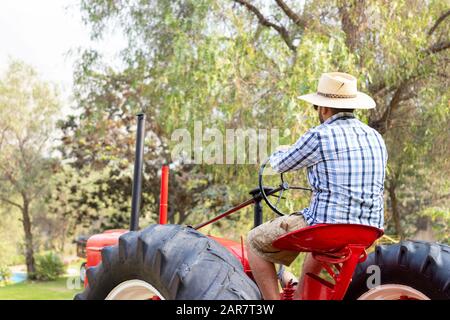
(304, 153)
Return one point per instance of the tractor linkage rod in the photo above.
(236, 208)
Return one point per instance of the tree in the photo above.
(399, 49)
(102, 137)
(241, 64)
(28, 106)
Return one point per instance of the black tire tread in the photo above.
(422, 265)
(180, 262)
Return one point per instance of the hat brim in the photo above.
(361, 101)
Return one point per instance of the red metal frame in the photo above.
(96, 243)
(164, 195)
(338, 248)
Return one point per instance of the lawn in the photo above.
(37, 290)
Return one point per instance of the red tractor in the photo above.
(165, 261)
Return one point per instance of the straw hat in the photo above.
(339, 90)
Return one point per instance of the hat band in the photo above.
(337, 96)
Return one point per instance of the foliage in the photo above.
(440, 218)
(49, 267)
(10, 253)
(5, 274)
(28, 106)
(233, 65)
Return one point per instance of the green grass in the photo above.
(38, 290)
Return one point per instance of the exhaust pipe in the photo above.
(137, 177)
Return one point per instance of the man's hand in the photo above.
(269, 170)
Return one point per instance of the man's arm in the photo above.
(304, 153)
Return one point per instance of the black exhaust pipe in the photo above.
(137, 178)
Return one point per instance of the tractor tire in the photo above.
(407, 270)
(179, 262)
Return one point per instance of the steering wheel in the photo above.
(281, 188)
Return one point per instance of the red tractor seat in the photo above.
(338, 248)
(328, 238)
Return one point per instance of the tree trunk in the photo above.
(395, 209)
(354, 22)
(29, 252)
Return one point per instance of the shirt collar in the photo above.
(339, 115)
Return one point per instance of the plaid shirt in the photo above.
(346, 162)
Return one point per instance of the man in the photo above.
(345, 161)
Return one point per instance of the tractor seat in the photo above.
(338, 248)
(328, 238)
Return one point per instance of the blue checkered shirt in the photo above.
(346, 163)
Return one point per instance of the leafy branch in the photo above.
(282, 31)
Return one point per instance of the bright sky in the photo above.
(43, 32)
